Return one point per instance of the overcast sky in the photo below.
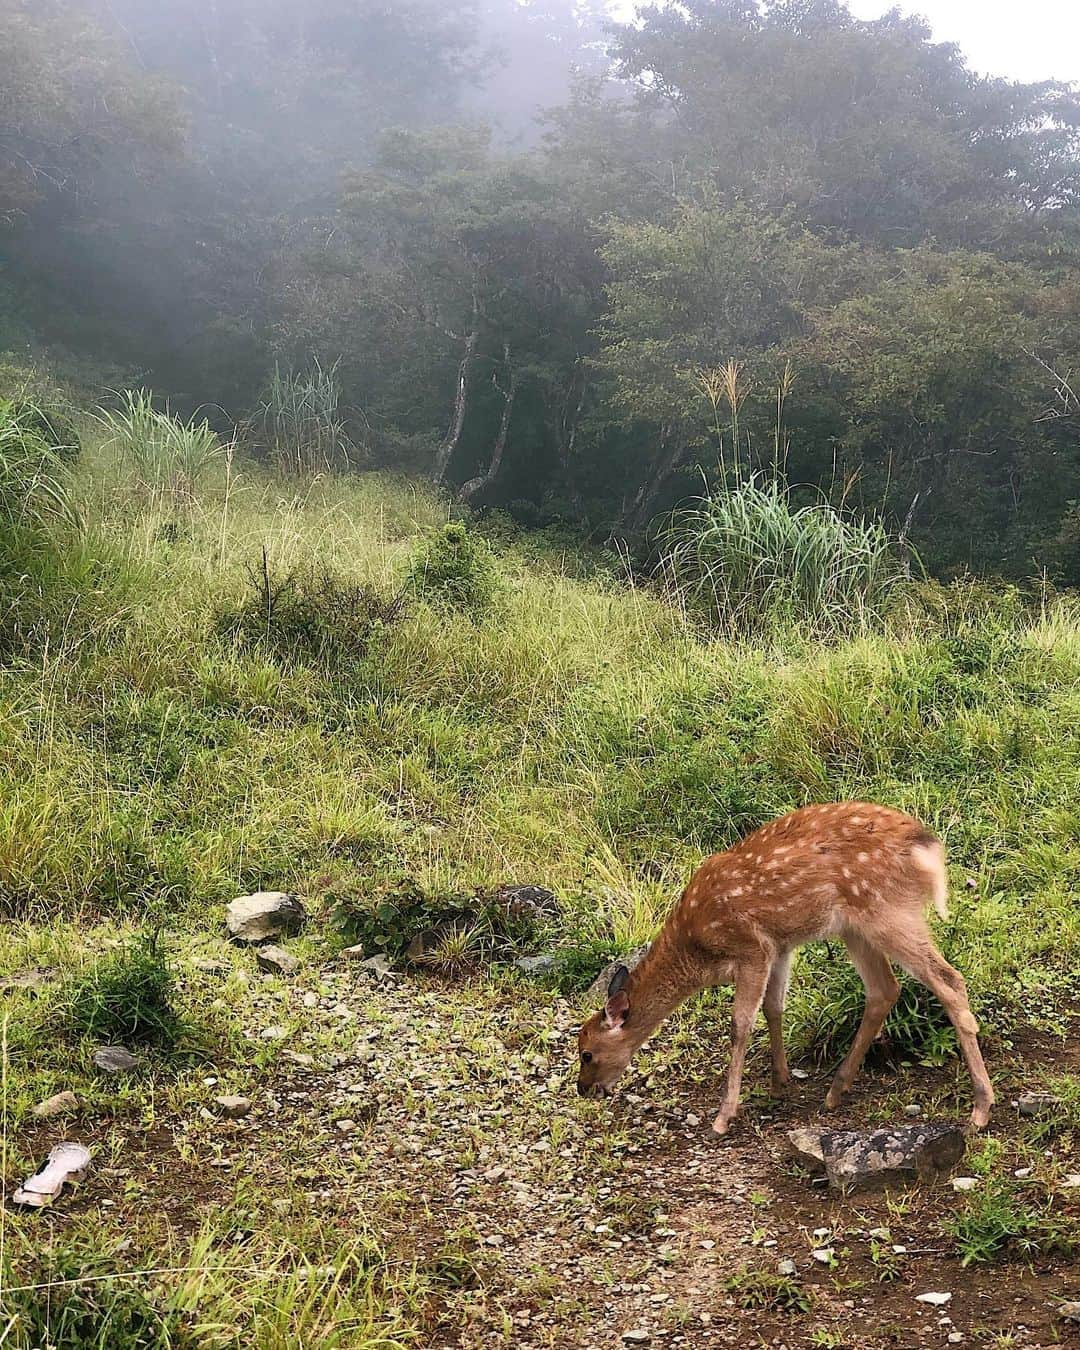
(1022, 39)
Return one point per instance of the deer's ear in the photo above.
(617, 1007)
(619, 976)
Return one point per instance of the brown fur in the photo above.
(852, 870)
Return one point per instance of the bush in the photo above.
(127, 998)
(312, 617)
(455, 570)
(299, 418)
(166, 455)
(997, 1221)
(748, 559)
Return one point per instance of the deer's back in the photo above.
(813, 873)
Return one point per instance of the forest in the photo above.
(568, 268)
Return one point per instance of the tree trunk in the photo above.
(640, 511)
(452, 439)
(471, 489)
(566, 434)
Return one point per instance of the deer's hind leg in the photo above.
(773, 1006)
(882, 990)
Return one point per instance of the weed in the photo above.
(761, 1289)
(455, 570)
(300, 419)
(166, 455)
(999, 1220)
(127, 998)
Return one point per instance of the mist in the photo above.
(447, 202)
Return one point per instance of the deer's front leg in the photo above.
(750, 982)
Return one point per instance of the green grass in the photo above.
(1004, 1218)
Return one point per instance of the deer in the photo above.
(856, 871)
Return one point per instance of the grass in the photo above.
(1003, 1218)
(165, 454)
(581, 734)
(299, 419)
(127, 998)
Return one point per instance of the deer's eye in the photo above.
(586, 1056)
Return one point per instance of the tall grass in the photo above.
(300, 418)
(167, 456)
(34, 480)
(752, 562)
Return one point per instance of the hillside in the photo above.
(249, 682)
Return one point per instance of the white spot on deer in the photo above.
(863, 857)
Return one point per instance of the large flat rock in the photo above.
(862, 1159)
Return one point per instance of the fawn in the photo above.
(863, 873)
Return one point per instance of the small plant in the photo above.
(165, 454)
(747, 559)
(998, 1220)
(455, 570)
(300, 419)
(762, 1289)
(127, 997)
(312, 617)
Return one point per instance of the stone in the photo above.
(805, 1145)
(638, 1336)
(1069, 1312)
(855, 1159)
(535, 965)
(115, 1059)
(1038, 1103)
(913, 1112)
(209, 966)
(233, 1108)
(786, 1267)
(277, 961)
(63, 1104)
(935, 1300)
(264, 915)
(32, 981)
(535, 904)
(599, 987)
(964, 1183)
(1070, 1181)
(274, 1033)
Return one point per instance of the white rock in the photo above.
(264, 915)
(964, 1183)
(935, 1300)
(60, 1105)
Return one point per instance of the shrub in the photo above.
(747, 559)
(455, 570)
(127, 997)
(166, 454)
(313, 616)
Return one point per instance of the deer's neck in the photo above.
(666, 977)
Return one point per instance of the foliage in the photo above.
(1000, 1219)
(455, 570)
(300, 419)
(310, 616)
(767, 1291)
(749, 559)
(127, 998)
(166, 454)
(33, 475)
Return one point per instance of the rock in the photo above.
(63, 1104)
(274, 1033)
(935, 1300)
(964, 1183)
(599, 987)
(264, 915)
(805, 1145)
(233, 1108)
(535, 904)
(1022, 1173)
(786, 1267)
(209, 966)
(852, 1159)
(1038, 1103)
(115, 1059)
(1070, 1182)
(535, 965)
(826, 1255)
(638, 1336)
(1069, 1312)
(277, 961)
(913, 1112)
(32, 981)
